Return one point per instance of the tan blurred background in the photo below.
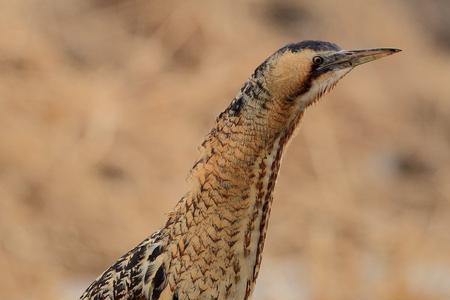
(104, 102)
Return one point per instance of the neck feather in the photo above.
(227, 208)
(231, 194)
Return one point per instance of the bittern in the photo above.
(212, 243)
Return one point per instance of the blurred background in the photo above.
(104, 102)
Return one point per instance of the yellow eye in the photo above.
(317, 60)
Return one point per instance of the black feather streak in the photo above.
(155, 253)
(175, 296)
(158, 282)
(136, 257)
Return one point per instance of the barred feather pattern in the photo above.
(211, 245)
(134, 275)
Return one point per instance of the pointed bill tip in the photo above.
(358, 57)
(391, 50)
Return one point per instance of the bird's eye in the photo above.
(317, 60)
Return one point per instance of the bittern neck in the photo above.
(229, 205)
(238, 167)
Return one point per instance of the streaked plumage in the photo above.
(211, 244)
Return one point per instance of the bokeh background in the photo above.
(104, 102)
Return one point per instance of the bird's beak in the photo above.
(352, 58)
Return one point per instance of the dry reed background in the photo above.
(103, 103)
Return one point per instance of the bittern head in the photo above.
(296, 76)
(272, 102)
(303, 72)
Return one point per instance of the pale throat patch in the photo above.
(321, 86)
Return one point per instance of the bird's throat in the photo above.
(230, 202)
